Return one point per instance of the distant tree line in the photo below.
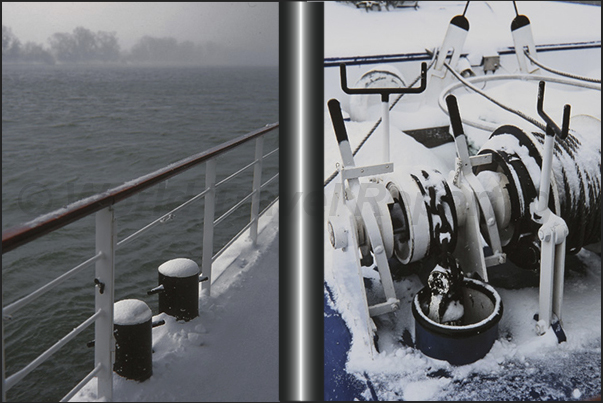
(85, 46)
(14, 51)
(167, 50)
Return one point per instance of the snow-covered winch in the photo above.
(575, 188)
(435, 222)
(499, 196)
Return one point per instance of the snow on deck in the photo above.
(356, 32)
(229, 352)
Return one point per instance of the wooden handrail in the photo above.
(22, 234)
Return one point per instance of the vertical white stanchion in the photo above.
(552, 233)
(385, 121)
(547, 278)
(104, 350)
(208, 222)
(545, 176)
(257, 183)
(547, 237)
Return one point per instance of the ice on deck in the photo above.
(228, 353)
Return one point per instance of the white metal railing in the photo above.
(106, 245)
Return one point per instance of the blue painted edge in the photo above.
(338, 383)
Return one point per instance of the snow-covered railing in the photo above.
(106, 244)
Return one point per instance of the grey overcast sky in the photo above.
(251, 28)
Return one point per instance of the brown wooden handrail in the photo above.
(21, 234)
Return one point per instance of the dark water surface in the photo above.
(72, 131)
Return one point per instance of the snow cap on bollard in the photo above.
(133, 339)
(131, 312)
(179, 268)
(179, 288)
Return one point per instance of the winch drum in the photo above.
(575, 187)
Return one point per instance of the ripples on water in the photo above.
(72, 131)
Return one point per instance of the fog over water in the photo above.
(247, 32)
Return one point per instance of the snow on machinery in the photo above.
(499, 196)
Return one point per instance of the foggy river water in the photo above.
(72, 131)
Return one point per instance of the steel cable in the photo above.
(530, 119)
(559, 72)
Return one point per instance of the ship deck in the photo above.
(229, 352)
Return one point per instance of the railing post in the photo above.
(208, 222)
(257, 184)
(104, 295)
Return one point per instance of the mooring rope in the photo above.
(559, 72)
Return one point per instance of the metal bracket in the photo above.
(482, 159)
(100, 285)
(550, 124)
(371, 170)
(385, 93)
(491, 63)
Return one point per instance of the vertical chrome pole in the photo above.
(301, 278)
(257, 184)
(104, 346)
(3, 365)
(208, 222)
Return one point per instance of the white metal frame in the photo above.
(552, 234)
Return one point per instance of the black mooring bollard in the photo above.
(179, 288)
(133, 339)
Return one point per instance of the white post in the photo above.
(547, 277)
(559, 277)
(104, 349)
(545, 177)
(552, 234)
(257, 183)
(385, 121)
(208, 222)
